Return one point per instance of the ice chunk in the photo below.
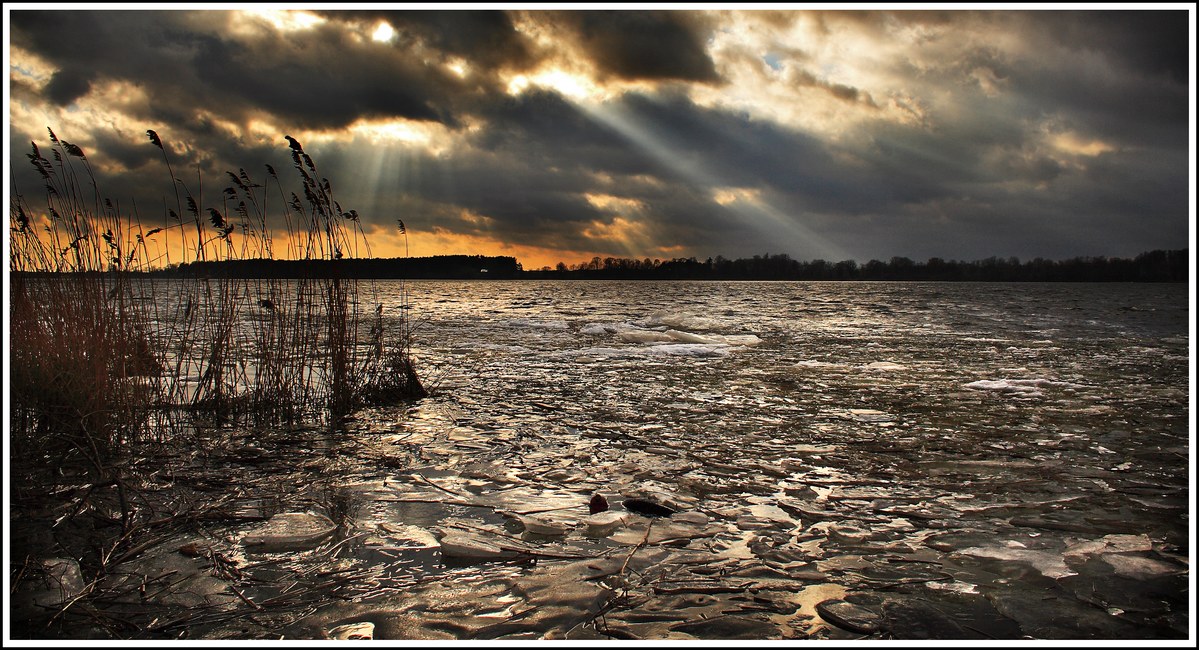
(683, 321)
(1051, 565)
(644, 336)
(543, 526)
(1140, 568)
(1111, 544)
(463, 545)
(291, 531)
(688, 337)
(884, 365)
(602, 524)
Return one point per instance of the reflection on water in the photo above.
(946, 458)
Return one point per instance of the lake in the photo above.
(828, 460)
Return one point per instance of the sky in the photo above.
(560, 135)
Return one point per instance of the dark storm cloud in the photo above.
(68, 85)
(1151, 43)
(544, 126)
(975, 175)
(644, 44)
(488, 39)
(326, 82)
(318, 79)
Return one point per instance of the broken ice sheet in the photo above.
(1049, 564)
(1110, 544)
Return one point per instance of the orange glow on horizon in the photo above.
(175, 244)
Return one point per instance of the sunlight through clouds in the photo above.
(286, 20)
(746, 207)
(384, 33)
(821, 133)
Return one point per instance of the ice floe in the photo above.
(683, 321)
(1051, 565)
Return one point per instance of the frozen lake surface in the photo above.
(828, 460)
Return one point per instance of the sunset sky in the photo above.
(562, 135)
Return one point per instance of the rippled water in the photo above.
(847, 460)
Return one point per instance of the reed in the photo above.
(105, 354)
(84, 372)
(117, 366)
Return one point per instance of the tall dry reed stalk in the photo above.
(108, 349)
(84, 375)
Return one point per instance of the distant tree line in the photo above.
(1153, 266)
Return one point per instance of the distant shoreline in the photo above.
(1155, 266)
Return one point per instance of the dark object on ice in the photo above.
(598, 504)
(648, 508)
(267, 304)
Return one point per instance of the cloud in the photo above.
(656, 45)
(820, 134)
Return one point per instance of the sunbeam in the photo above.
(749, 209)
